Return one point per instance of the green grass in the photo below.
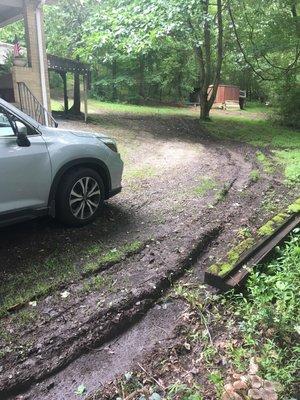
(38, 281)
(112, 256)
(290, 159)
(204, 186)
(257, 132)
(283, 143)
(254, 175)
(121, 108)
(95, 106)
(56, 105)
(140, 173)
(257, 107)
(266, 162)
(43, 278)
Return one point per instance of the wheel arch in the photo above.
(92, 163)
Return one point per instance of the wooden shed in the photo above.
(227, 96)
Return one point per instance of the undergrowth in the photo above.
(268, 316)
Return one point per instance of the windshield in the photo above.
(14, 110)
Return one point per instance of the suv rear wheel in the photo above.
(80, 197)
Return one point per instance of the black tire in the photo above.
(68, 198)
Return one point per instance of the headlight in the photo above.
(111, 144)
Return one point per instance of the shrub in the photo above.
(288, 109)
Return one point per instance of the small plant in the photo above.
(221, 195)
(254, 175)
(204, 186)
(95, 283)
(265, 161)
(184, 391)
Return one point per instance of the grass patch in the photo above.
(284, 142)
(204, 186)
(46, 277)
(265, 161)
(260, 133)
(95, 106)
(112, 256)
(290, 159)
(95, 283)
(38, 281)
(140, 173)
(254, 175)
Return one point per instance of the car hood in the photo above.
(58, 131)
(89, 134)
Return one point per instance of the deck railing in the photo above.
(31, 106)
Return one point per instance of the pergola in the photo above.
(62, 66)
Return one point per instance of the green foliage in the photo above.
(8, 34)
(81, 390)
(272, 306)
(254, 175)
(290, 159)
(265, 161)
(288, 105)
(295, 207)
(184, 391)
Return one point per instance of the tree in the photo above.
(267, 35)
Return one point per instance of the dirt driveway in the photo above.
(63, 291)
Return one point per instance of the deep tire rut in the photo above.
(93, 323)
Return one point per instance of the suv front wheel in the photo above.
(80, 197)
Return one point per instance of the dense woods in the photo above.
(157, 51)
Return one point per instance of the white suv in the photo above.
(43, 170)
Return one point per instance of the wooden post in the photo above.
(85, 93)
(66, 100)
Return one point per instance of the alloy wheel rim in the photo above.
(84, 198)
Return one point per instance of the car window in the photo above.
(5, 126)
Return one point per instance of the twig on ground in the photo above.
(151, 377)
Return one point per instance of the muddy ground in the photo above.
(186, 196)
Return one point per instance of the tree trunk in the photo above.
(141, 77)
(75, 109)
(204, 106)
(205, 62)
(114, 78)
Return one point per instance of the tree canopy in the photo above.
(153, 50)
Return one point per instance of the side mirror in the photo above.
(22, 139)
